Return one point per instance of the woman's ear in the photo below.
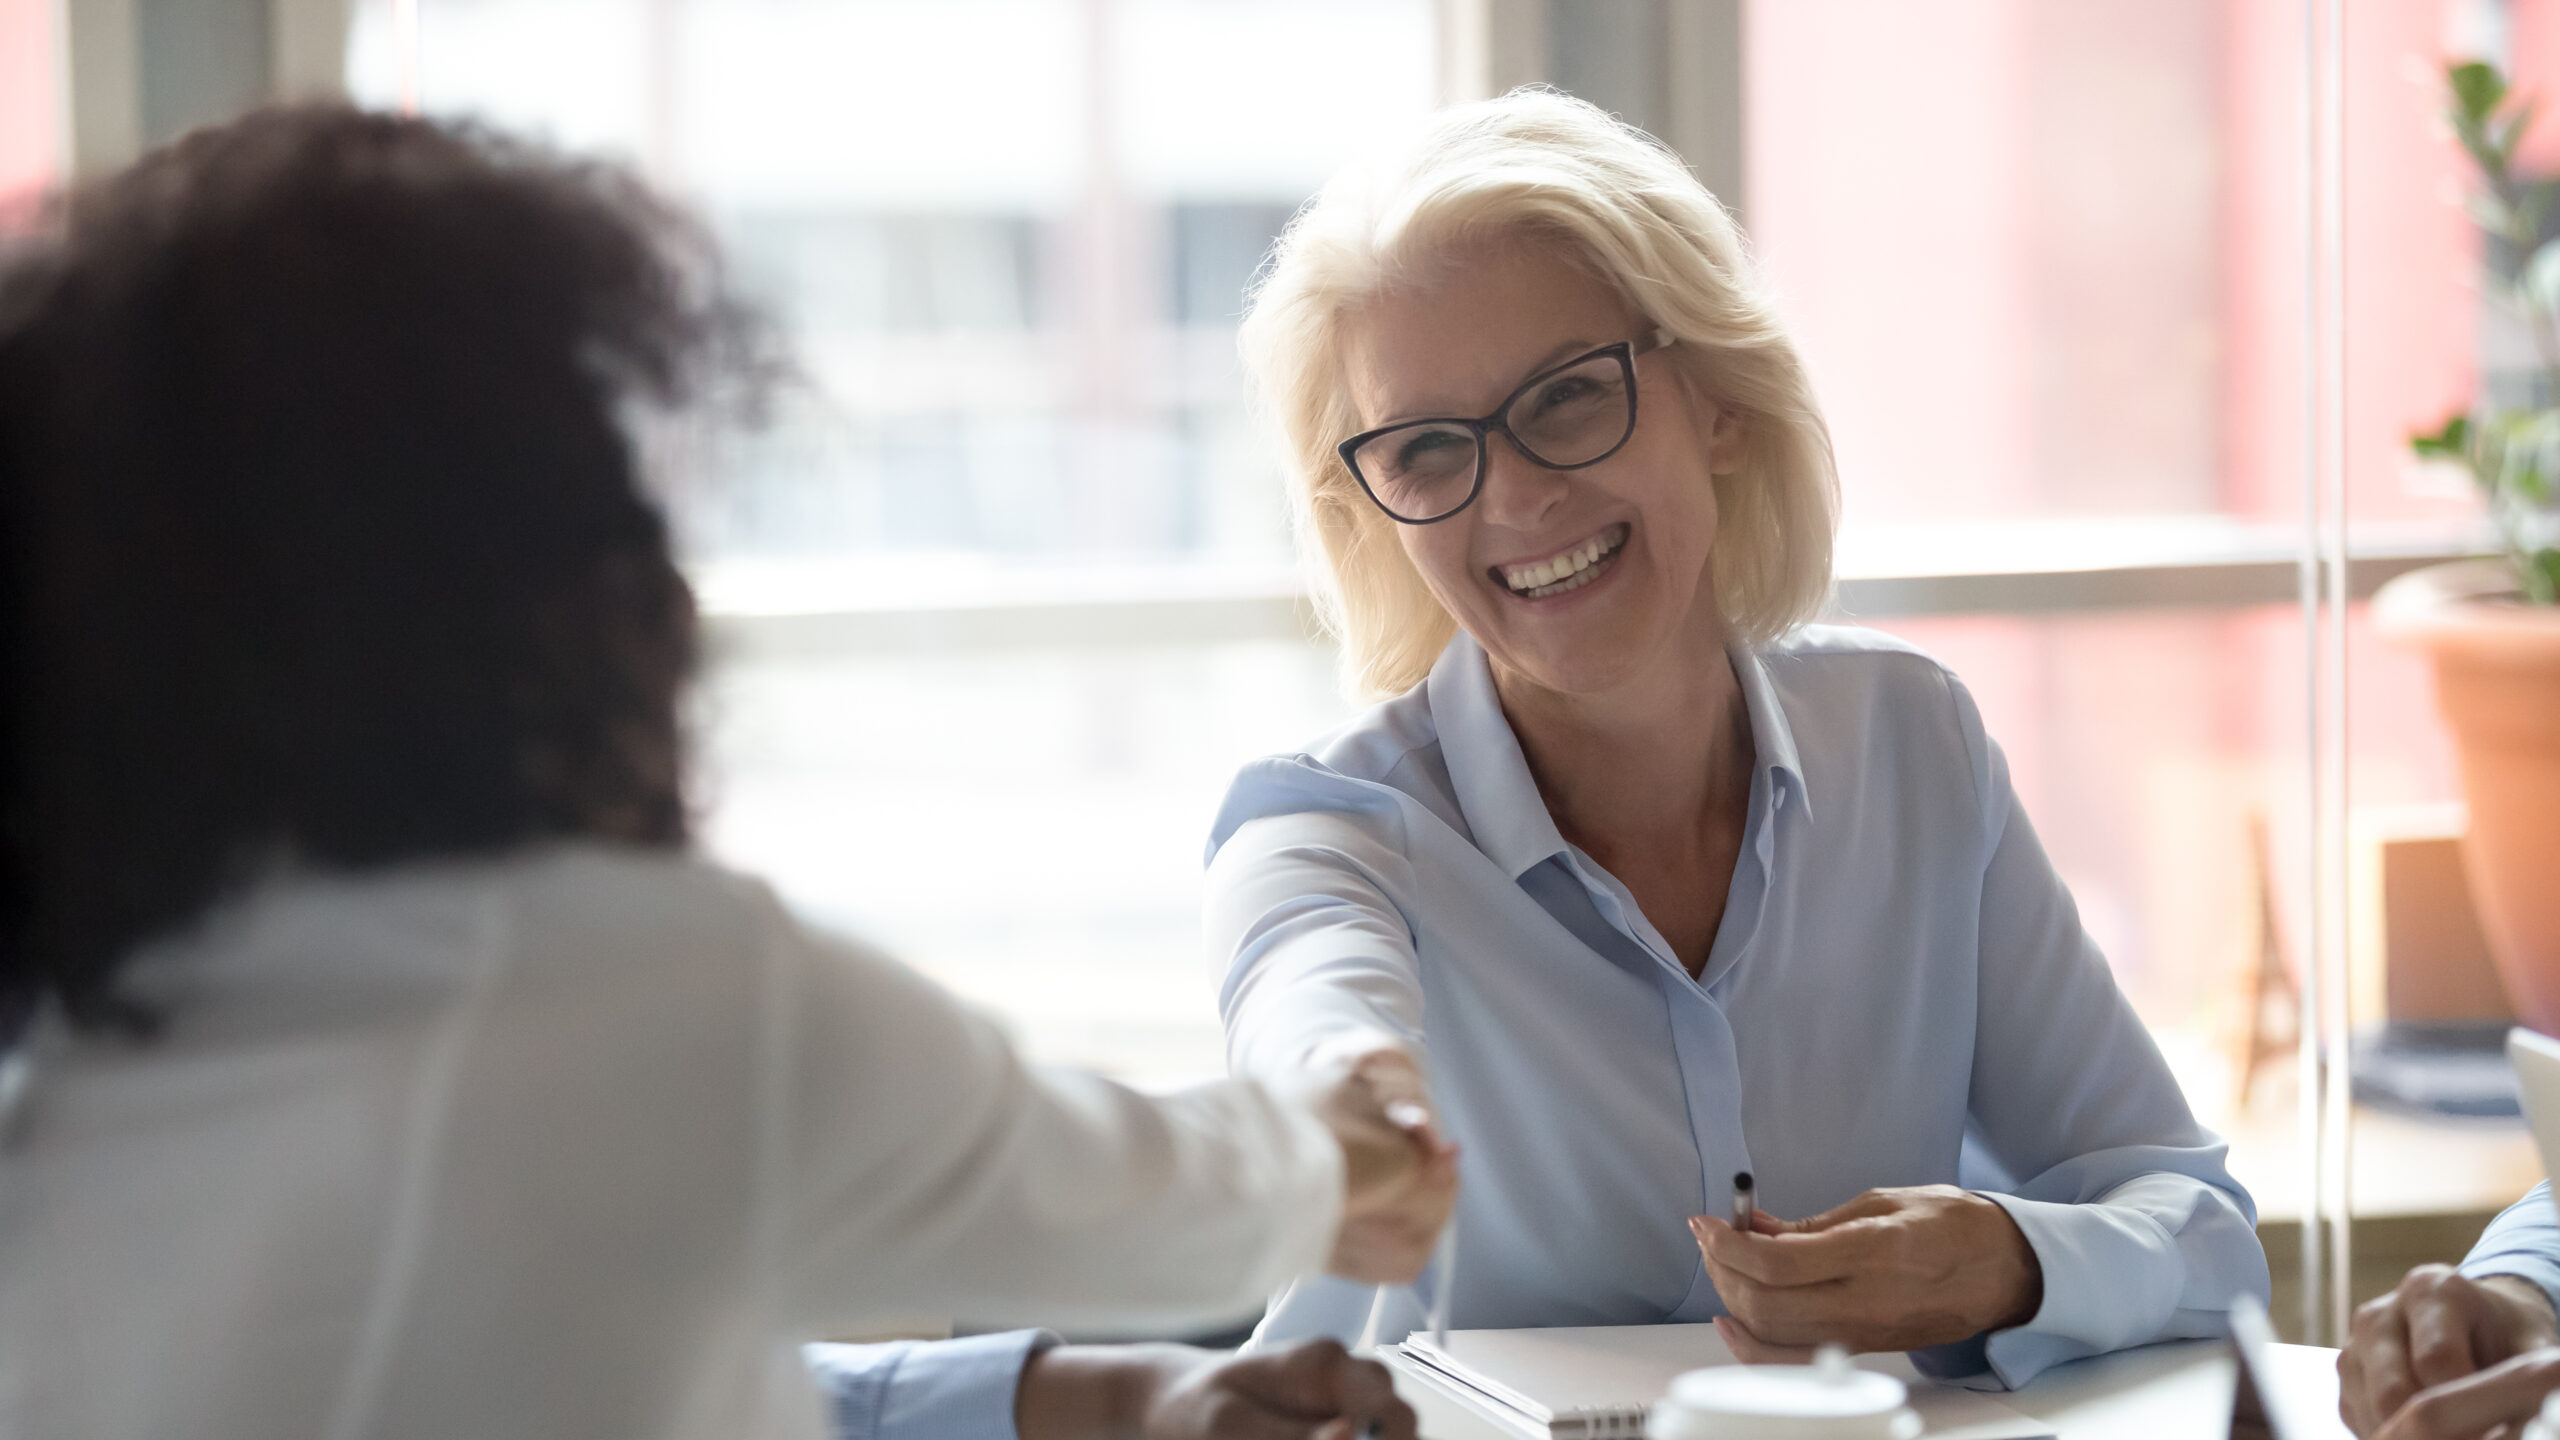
(1723, 430)
(1728, 438)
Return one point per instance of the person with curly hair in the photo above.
(381, 1061)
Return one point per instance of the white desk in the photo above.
(2161, 1392)
(2184, 1389)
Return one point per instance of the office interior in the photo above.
(2123, 312)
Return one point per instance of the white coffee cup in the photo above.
(1829, 1399)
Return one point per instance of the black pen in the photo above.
(1742, 1201)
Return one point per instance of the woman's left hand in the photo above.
(1893, 1269)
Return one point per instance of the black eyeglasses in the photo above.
(1577, 414)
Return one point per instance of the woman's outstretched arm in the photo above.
(916, 1165)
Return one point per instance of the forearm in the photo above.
(1096, 1392)
(2530, 1314)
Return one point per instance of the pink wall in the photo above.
(2534, 50)
(1887, 193)
(2266, 240)
(2412, 257)
(2411, 287)
(2048, 257)
(28, 123)
(1993, 225)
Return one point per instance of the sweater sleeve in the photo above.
(915, 1165)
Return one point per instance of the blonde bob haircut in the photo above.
(1537, 164)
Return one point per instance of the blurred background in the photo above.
(1005, 592)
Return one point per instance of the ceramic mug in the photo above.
(1829, 1399)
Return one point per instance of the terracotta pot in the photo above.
(2497, 664)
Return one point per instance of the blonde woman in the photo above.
(1652, 880)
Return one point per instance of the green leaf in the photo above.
(2539, 281)
(2484, 153)
(2532, 203)
(2524, 478)
(2489, 212)
(2502, 138)
(2541, 574)
(2508, 133)
(2525, 439)
(2478, 89)
(2451, 440)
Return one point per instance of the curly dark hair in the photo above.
(322, 542)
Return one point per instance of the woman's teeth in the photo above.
(1571, 570)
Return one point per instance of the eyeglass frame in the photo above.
(1626, 352)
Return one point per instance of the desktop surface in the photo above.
(2157, 1392)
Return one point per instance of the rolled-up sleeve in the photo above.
(925, 1390)
(2140, 1230)
(2525, 1241)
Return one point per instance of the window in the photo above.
(30, 142)
(1009, 242)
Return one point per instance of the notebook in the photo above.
(1597, 1382)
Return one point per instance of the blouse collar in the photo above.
(1490, 774)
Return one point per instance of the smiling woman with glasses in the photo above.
(1637, 875)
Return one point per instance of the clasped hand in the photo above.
(1892, 1269)
(1400, 1179)
(1311, 1391)
(2445, 1356)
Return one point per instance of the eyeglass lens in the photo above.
(1572, 417)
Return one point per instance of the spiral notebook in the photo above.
(1598, 1382)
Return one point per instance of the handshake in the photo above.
(1400, 1174)
(1400, 1183)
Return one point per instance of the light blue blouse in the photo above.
(1900, 993)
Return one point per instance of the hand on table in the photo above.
(1891, 1270)
(1314, 1391)
(1400, 1174)
(2491, 1404)
(2431, 1333)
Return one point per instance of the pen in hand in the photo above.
(1416, 1120)
(1744, 1201)
(1444, 1280)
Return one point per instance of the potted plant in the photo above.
(2492, 627)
